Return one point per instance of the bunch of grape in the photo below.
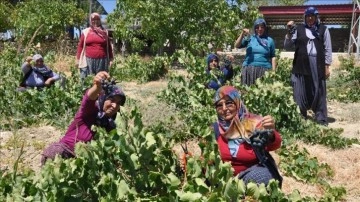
(108, 85)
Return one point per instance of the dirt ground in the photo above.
(345, 163)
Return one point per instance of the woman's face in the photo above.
(95, 21)
(112, 105)
(39, 63)
(310, 19)
(226, 108)
(260, 29)
(213, 64)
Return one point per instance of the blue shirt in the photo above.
(258, 55)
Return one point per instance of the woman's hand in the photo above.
(28, 60)
(49, 82)
(99, 77)
(94, 91)
(246, 32)
(290, 23)
(327, 71)
(268, 122)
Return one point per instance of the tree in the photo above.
(37, 19)
(180, 23)
(5, 11)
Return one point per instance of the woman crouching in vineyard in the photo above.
(244, 139)
(99, 107)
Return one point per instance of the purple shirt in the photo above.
(80, 128)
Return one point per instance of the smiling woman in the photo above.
(241, 143)
(99, 107)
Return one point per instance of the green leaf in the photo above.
(252, 190)
(150, 140)
(188, 196)
(135, 160)
(174, 181)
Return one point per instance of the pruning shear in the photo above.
(185, 156)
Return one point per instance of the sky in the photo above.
(110, 5)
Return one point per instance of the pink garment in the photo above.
(95, 46)
(80, 128)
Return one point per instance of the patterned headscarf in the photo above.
(239, 124)
(98, 30)
(102, 120)
(263, 38)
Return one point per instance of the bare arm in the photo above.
(244, 33)
(273, 63)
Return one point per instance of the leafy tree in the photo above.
(5, 10)
(36, 19)
(180, 23)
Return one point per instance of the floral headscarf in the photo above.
(239, 125)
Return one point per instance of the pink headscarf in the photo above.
(98, 30)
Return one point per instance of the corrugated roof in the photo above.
(331, 14)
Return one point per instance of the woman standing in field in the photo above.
(94, 51)
(260, 52)
(311, 64)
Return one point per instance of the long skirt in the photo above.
(57, 148)
(257, 174)
(310, 93)
(94, 66)
(249, 74)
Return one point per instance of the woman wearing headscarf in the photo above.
(94, 51)
(219, 75)
(98, 107)
(39, 75)
(260, 52)
(234, 133)
(312, 59)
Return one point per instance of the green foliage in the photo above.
(345, 87)
(5, 11)
(298, 164)
(134, 68)
(45, 18)
(34, 106)
(188, 24)
(134, 163)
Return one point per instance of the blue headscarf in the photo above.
(261, 39)
(313, 28)
(210, 58)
